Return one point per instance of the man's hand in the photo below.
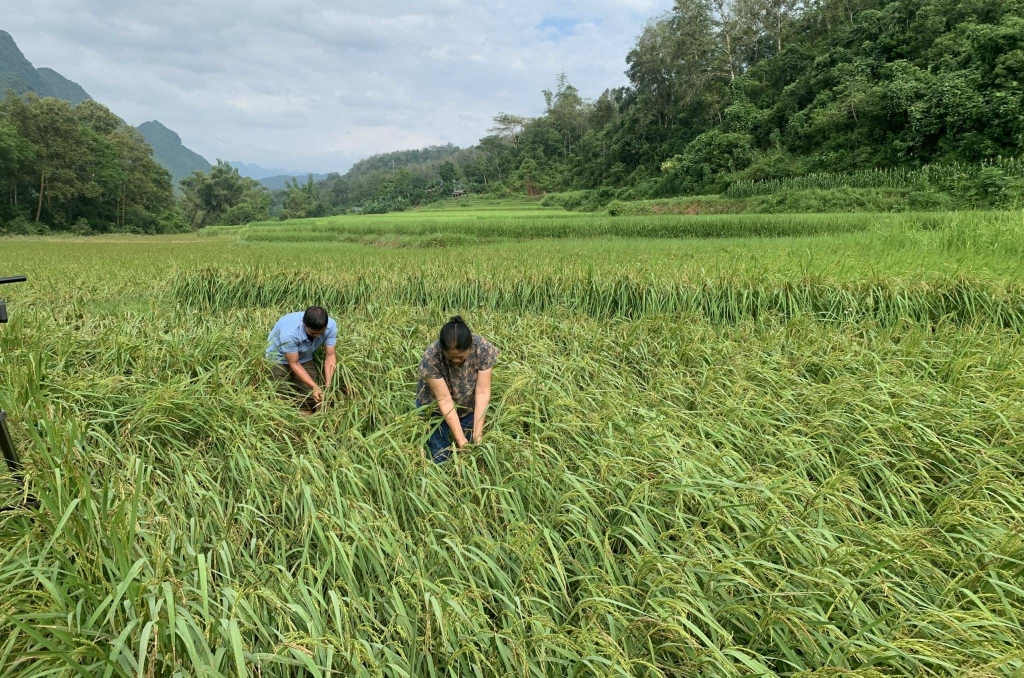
(318, 395)
(461, 442)
(477, 436)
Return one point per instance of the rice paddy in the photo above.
(453, 227)
(953, 177)
(798, 451)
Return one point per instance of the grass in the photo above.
(449, 228)
(727, 456)
(951, 177)
(813, 201)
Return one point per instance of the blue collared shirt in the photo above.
(289, 336)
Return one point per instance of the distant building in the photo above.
(458, 193)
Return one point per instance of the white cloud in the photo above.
(316, 84)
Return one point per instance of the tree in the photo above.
(81, 166)
(223, 196)
(16, 156)
(565, 110)
(728, 90)
(509, 127)
(302, 202)
(448, 173)
(50, 126)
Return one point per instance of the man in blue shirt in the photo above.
(291, 345)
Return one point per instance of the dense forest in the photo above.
(78, 168)
(721, 93)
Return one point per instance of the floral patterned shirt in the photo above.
(461, 379)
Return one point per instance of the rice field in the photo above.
(950, 176)
(787, 455)
(448, 226)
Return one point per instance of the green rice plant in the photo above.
(719, 300)
(427, 231)
(781, 456)
(954, 177)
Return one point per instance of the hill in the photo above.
(17, 73)
(168, 150)
(254, 171)
(274, 178)
(395, 160)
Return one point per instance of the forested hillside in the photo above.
(18, 75)
(168, 150)
(723, 92)
(725, 100)
(78, 168)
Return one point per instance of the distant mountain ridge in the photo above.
(273, 178)
(17, 73)
(168, 150)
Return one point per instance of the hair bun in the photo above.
(457, 320)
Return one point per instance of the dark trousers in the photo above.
(439, 444)
(289, 384)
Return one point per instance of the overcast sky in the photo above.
(313, 85)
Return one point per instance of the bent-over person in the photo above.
(456, 374)
(290, 347)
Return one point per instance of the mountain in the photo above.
(62, 88)
(273, 178)
(18, 73)
(169, 151)
(254, 171)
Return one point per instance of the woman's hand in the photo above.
(483, 400)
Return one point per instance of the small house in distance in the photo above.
(458, 193)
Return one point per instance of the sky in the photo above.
(314, 85)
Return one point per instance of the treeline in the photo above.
(80, 169)
(223, 196)
(394, 181)
(731, 91)
(721, 93)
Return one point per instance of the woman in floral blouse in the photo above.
(456, 373)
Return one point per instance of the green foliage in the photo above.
(786, 456)
(760, 90)
(448, 173)
(385, 204)
(300, 202)
(587, 201)
(995, 184)
(707, 158)
(63, 166)
(806, 201)
(396, 160)
(223, 196)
